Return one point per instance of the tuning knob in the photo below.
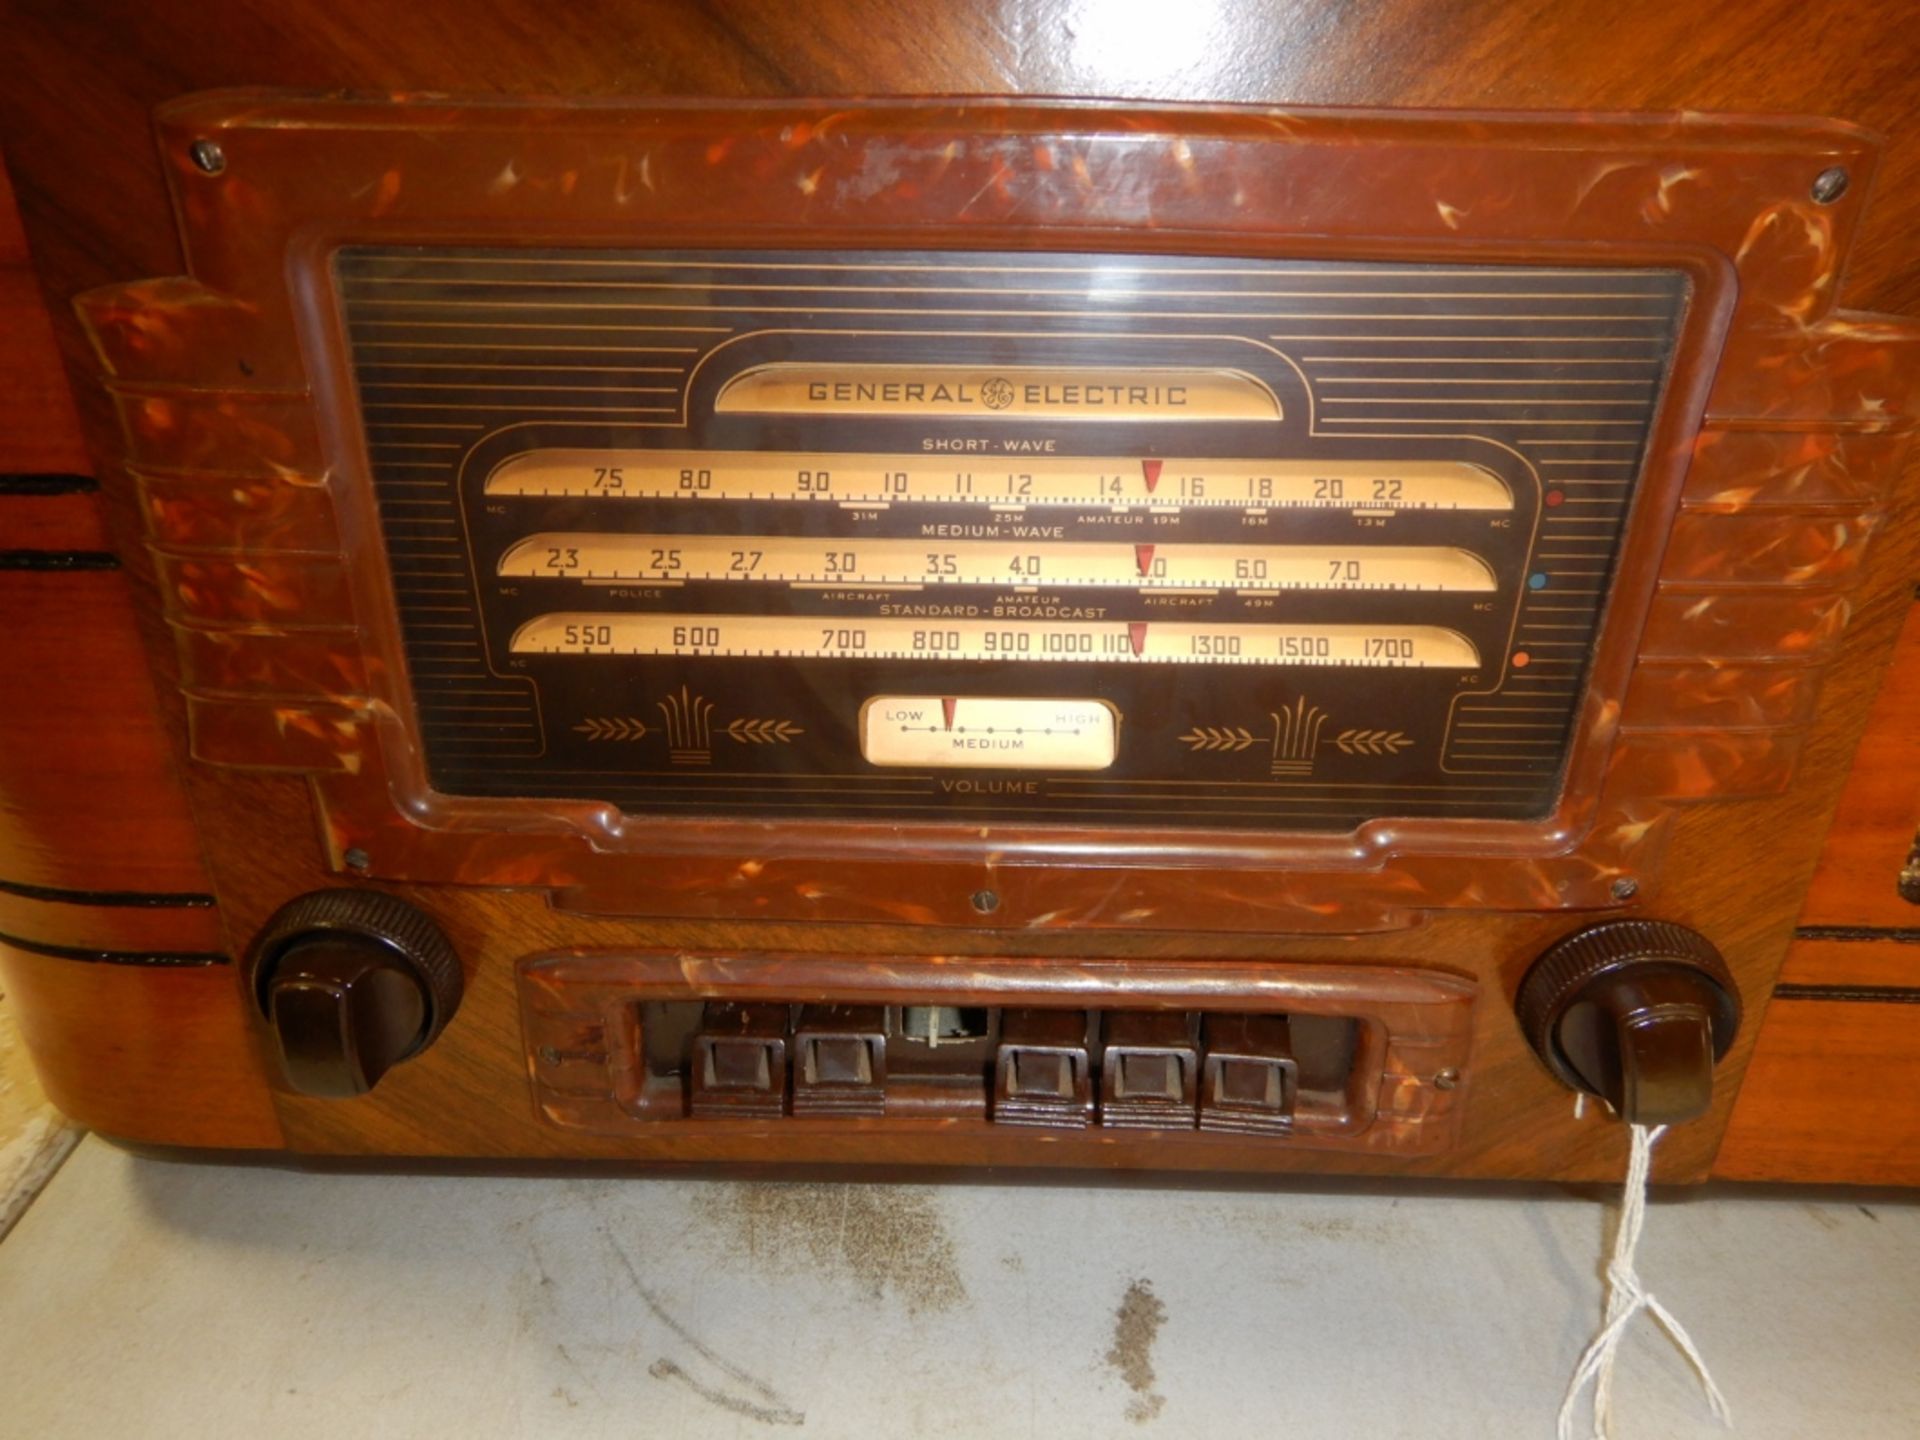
(352, 982)
(1636, 1012)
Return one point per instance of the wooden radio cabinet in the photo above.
(950, 632)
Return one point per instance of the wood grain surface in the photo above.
(38, 433)
(1829, 1096)
(1874, 829)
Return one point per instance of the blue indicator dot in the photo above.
(1536, 581)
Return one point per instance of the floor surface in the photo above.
(146, 1298)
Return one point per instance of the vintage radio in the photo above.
(948, 633)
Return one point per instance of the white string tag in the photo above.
(1626, 1298)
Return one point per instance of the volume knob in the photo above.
(352, 983)
(1636, 1012)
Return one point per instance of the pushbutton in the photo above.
(840, 1060)
(1042, 1074)
(1249, 1077)
(1146, 1079)
(735, 1064)
(1149, 1074)
(740, 1062)
(989, 733)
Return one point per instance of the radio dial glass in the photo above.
(1194, 541)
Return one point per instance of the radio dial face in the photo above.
(1195, 541)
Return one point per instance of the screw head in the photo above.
(207, 156)
(1446, 1079)
(1830, 184)
(1625, 888)
(985, 901)
(358, 860)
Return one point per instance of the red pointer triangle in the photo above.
(1137, 635)
(948, 704)
(1143, 557)
(1151, 469)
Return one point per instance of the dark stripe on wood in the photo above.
(58, 560)
(166, 958)
(110, 899)
(1867, 994)
(47, 485)
(1901, 936)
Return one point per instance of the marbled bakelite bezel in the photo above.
(1770, 466)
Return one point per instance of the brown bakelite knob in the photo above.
(352, 982)
(1636, 1012)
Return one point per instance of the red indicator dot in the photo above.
(1556, 497)
(1521, 659)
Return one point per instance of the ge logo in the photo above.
(997, 393)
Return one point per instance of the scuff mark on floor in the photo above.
(665, 1369)
(1820, 1216)
(1136, 1325)
(775, 1411)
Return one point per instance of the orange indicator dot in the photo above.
(1521, 659)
